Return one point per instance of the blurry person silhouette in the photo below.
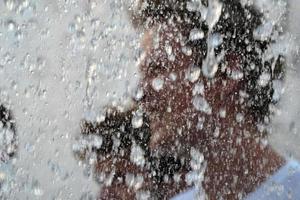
(8, 149)
(208, 89)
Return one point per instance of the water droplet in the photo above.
(143, 195)
(41, 63)
(137, 119)
(222, 113)
(187, 50)
(139, 94)
(194, 73)
(196, 34)
(137, 155)
(195, 5)
(173, 76)
(97, 142)
(216, 40)
(278, 89)
(239, 117)
(10, 4)
(214, 13)
(201, 104)
(216, 132)
(38, 191)
(196, 175)
(14, 85)
(236, 74)
(196, 164)
(2, 177)
(264, 142)
(72, 27)
(91, 71)
(264, 79)
(81, 36)
(133, 181)
(78, 19)
(11, 25)
(209, 69)
(198, 89)
(168, 49)
(157, 84)
(200, 123)
(100, 118)
(19, 35)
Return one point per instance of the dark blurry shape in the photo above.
(118, 125)
(236, 25)
(222, 119)
(8, 135)
(8, 149)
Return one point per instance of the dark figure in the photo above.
(8, 134)
(206, 86)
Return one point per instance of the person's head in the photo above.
(205, 61)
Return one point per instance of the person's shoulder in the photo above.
(284, 184)
(187, 195)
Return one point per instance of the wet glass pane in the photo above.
(149, 99)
